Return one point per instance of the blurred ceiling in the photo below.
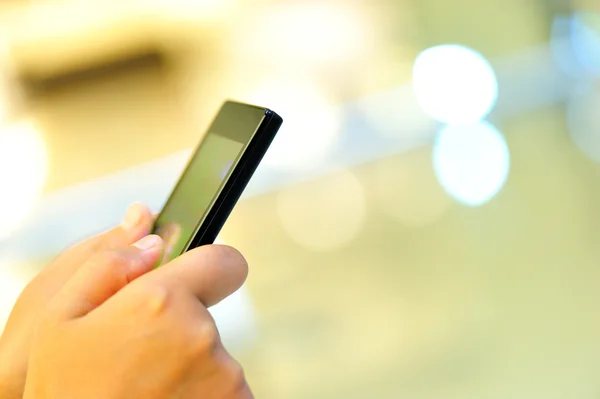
(114, 84)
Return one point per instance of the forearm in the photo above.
(11, 387)
(12, 379)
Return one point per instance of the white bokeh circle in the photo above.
(326, 214)
(585, 40)
(311, 124)
(454, 84)
(471, 162)
(23, 170)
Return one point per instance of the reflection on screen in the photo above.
(195, 191)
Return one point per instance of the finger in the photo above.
(103, 275)
(210, 273)
(245, 392)
(232, 377)
(136, 224)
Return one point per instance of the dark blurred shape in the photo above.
(61, 81)
(558, 6)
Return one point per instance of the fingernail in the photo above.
(147, 243)
(132, 217)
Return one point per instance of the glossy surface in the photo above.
(214, 177)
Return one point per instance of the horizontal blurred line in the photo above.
(528, 80)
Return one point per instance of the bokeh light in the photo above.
(236, 320)
(303, 35)
(6, 89)
(407, 188)
(323, 215)
(190, 10)
(4, 100)
(396, 114)
(562, 48)
(585, 39)
(311, 124)
(23, 169)
(583, 119)
(471, 162)
(455, 84)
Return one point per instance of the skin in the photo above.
(101, 321)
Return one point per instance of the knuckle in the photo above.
(47, 317)
(112, 259)
(235, 375)
(108, 240)
(101, 242)
(153, 298)
(115, 264)
(204, 340)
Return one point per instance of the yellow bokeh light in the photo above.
(311, 124)
(192, 10)
(303, 35)
(324, 215)
(408, 190)
(3, 102)
(23, 170)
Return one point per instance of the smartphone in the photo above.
(215, 177)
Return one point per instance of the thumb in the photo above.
(209, 273)
(103, 275)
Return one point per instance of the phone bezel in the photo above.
(236, 180)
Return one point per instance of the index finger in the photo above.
(210, 273)
(138, 226)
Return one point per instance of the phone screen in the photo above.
(194, 193)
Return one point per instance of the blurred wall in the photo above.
(397, 252)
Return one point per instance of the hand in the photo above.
(15, 341)
(118, 330)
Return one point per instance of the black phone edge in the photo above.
(231, 193)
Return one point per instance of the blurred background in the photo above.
(424, 226)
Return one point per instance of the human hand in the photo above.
(16, 338)
(118, 330)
